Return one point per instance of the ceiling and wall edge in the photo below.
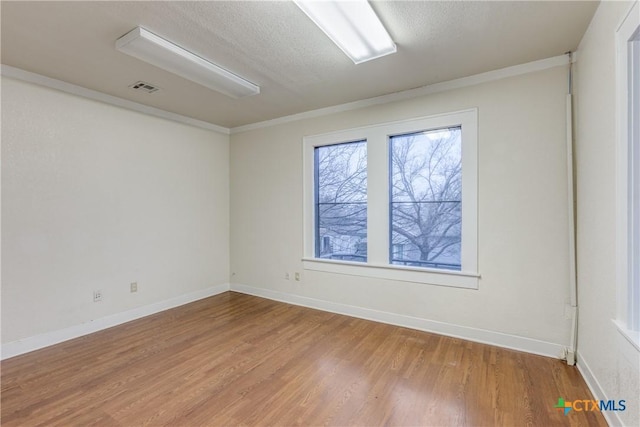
(512, 71)
(29, 77)
(489, 76)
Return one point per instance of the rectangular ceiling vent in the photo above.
(144, 87)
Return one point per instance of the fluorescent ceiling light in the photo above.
(352, 25)
(157, 51)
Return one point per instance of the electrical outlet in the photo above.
(286, 276)
(297, 276)
(134, 287)
(97, 296)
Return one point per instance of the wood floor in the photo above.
(234, 359)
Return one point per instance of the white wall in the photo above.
(608, 361)
(523, 249)
(96, 197)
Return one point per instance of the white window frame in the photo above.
(377, 265)
(628, 177)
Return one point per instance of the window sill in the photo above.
(632, 336)
(456, 279)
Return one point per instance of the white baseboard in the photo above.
(612, 418)
(513, 342)
(36, 342)
(499, 339)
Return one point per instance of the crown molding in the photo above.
(27, 76)
(489, 76)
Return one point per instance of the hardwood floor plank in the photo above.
(234, 359)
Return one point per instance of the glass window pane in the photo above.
(426, 199)
(341, 201)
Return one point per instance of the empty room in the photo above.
(342, 213)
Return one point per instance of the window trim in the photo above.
(378, 266)
(628, 141)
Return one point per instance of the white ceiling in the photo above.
(275, 45)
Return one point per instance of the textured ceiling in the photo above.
(275, 45)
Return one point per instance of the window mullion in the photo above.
(378, 198)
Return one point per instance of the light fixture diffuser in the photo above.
(155, 50)
(352, 25)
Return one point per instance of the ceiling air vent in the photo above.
(144, 87)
